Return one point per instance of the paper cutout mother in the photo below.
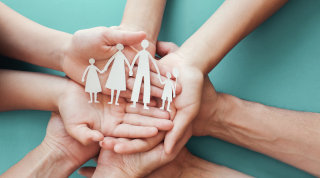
(117, 75)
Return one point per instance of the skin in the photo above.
(58, 155)
(202, 51)
(83, 121)
(63, 51)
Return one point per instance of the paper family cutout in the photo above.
(117, 79)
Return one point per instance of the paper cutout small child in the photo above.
(117, 75)
(169, 90)
(92, 82)
(143, 72)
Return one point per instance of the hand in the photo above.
(98, 43)
(133, 165)
(82, 80)
(130, 73)
(90, 122)
(70, 149)
(188, 102)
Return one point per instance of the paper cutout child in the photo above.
(143, 72)
(92, 83)
(168, 90)
(117, 76)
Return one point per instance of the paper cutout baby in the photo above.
(117, 75)
(169, 90)
(92, 81)
(143, 72)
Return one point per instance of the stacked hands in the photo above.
(126, 128)
(124, 106)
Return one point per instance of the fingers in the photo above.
(138, 120)
(108, 143)
(86, 171)
(132, 131)
(84, 134)
(138, 145)
(164, 48)
(180, 126)
(151, 112)
(114, 37)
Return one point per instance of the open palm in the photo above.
(91, 122)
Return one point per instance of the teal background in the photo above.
(277, 65)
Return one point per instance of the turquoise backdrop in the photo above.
(277, 65)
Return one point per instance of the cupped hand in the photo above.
(91, 122)
(60, 141)
(133, 165)
(187, 103)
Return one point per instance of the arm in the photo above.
(20, 38)
(107, 65)
(42, 162)
(173, 90)
(127, 62)
(58, 155)
(204, 49)
(144, 15)
(188, 165)
(20, 93)
(132, 64)
(84, 74)
(290, 136)
(224, 29)
(156, 67)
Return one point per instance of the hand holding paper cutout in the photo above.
(91, 122)
(98, 43)
(188, 102)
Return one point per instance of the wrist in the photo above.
(110, 172)
(53, 161)
(151, 37)
(220, 120)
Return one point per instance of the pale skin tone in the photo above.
(63, 51)
(83, 121)
(58, 155)
(202, 51)
(258, 127)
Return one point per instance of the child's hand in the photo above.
(91, 122)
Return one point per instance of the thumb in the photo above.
(113, 37)
(84, 134)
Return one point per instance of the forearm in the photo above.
(28, 90)
(186, 165)
(28, 41)
(144, 15)
(290, 136)
(224, 29)
(42, 162)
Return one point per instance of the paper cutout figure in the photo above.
(92, 83)
(117, 75)
(169, 89)
(142, 72)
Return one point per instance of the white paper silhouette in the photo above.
(143, 72)
(92, 82)
(117, 75)
(169, 90)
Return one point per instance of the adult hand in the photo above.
(187, 103)
(133, 165)
(61, 142)
(91, 122)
